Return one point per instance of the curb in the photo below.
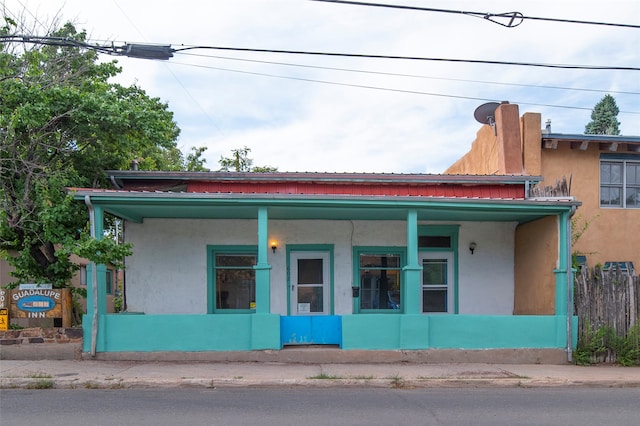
(214, 383)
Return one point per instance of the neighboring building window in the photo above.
(437, 246)
(234, 279)
(108, 276)
(379, 273)
(83, 275)
(109, 281)
(620, 183)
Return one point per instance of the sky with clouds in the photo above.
(344, 114)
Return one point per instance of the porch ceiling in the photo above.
(209, 206)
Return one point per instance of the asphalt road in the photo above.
(300, 406)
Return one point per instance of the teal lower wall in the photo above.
(245, 332)
(455, 331)
(148, 333)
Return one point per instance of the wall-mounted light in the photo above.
(472, 247)
(274, 246)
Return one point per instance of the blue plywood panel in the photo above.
(295, 330)
(311, 330)
(326, 330)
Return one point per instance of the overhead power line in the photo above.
(387, 89)
(425, 77)
(511, 19)
(412, 58)
(164, 52)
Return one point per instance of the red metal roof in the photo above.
(343, 184)
(423, 190)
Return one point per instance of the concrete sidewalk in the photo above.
(162, 374)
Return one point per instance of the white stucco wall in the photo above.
(168, 271)
(343, 235)
(485, 278)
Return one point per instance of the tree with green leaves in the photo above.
(240, 162)
(604, 118)
(62, 124)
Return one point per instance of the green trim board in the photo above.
(138, 206)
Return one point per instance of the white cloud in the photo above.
(310, 126)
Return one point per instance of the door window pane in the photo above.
(310, 271)
(310, 299)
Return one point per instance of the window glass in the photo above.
(610, 196)
(312, 296)
(633, 174)
(434, 241)
(633, 198)
(434, 300)
(235, 281)
(434, 285)
(109, 281)
(620, 183)
(379, 281)
(310, 271)
(616, 173)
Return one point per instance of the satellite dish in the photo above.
(485, 113)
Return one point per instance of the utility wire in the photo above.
(514, 18)
(393, 74)
(412, 58)
(386, 89)
(166, 51)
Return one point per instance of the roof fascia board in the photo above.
(126, 198)
(592, 138)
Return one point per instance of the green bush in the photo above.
(603, 345)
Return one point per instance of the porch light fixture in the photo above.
(472, 247)
(274, 246)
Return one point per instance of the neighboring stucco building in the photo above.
(227, 261)
(79, 280)
(604, 174)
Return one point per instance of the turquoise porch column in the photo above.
(100, 270)
(96, 285)
(411, 293)
(263, 269)
(564, 267)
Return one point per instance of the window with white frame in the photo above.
(437, 282)
(437, 245)
(620, 183)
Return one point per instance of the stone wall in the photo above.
(41, 343)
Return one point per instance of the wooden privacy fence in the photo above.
(606, 300)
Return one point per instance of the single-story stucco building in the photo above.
(226, 261)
